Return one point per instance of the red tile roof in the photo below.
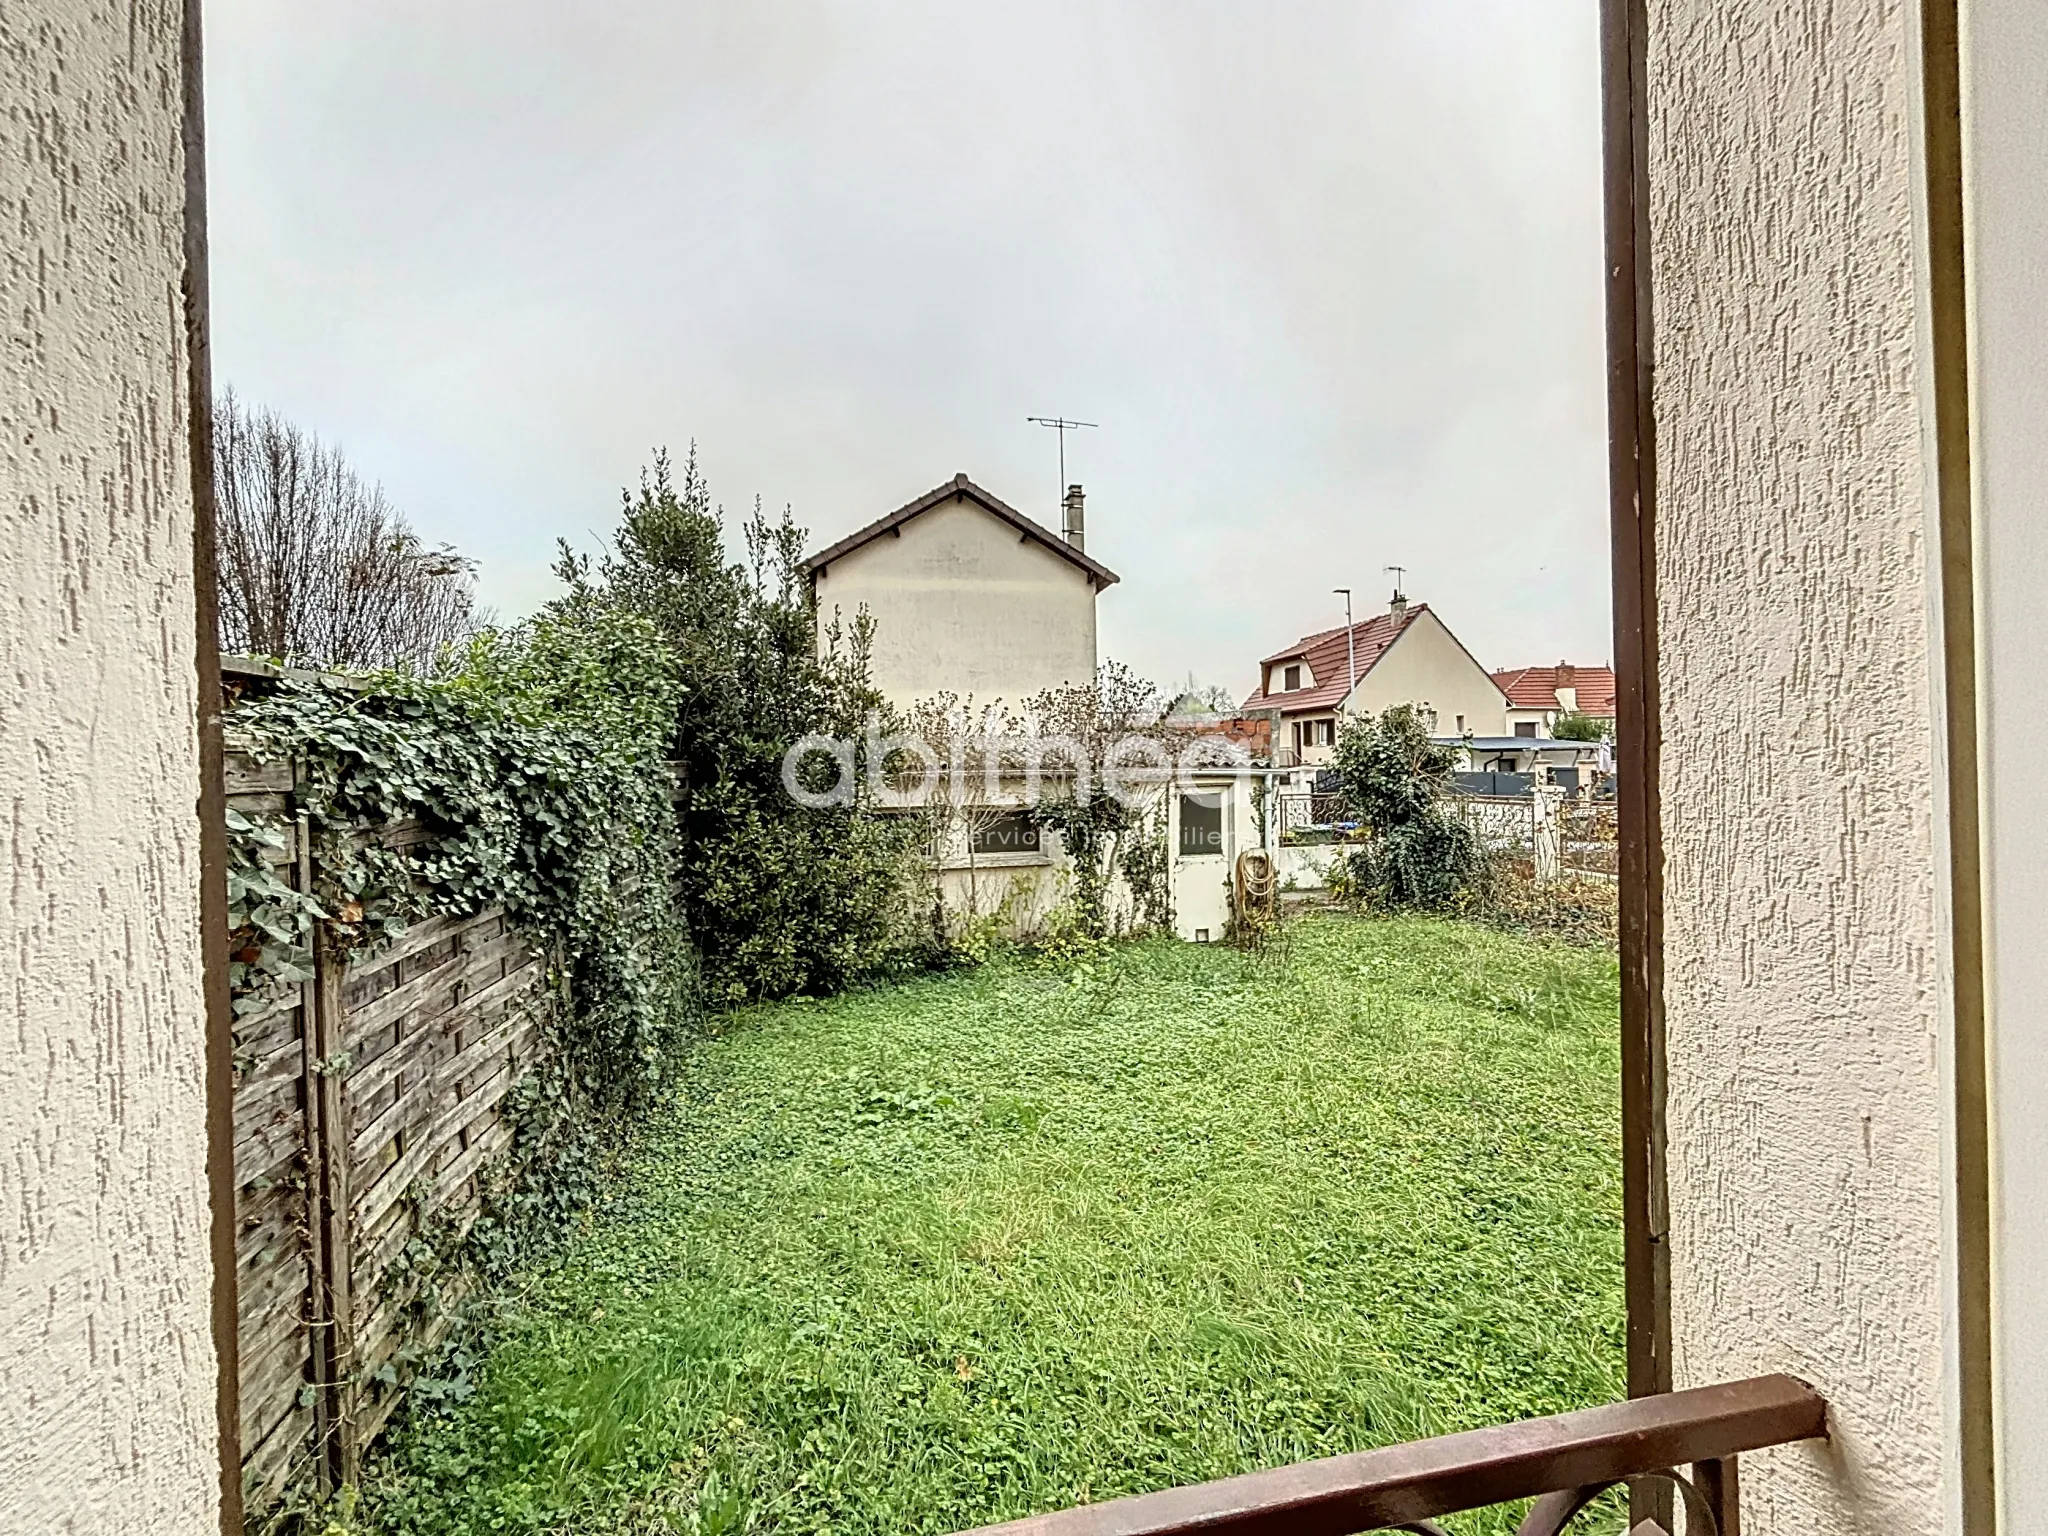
(1254, 733)
(1324, 652)
(1536, 687)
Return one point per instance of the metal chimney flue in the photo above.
(1074, 526)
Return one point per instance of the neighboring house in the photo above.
(1538, 695)
(1403, 656)
(968, 595)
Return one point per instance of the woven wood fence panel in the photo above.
(370, 1111)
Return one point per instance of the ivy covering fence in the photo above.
(475, 916)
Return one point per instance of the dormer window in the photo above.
(1290, 679)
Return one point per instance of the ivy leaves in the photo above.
(532, 776)
(270, 921)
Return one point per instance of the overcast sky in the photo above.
(1327, 274)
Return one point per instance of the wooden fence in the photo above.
(370, 1108)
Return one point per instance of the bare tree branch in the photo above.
(316, 567)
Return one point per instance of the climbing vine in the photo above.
(531, 776)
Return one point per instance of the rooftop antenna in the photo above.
(1061, 425)
(1398, 571)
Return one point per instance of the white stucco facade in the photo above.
(963, 603)
(1806, 957)
(107, 1366)
(1427, 666)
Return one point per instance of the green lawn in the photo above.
(1009, 1239)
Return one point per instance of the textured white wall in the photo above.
(1427, 665)
(1804, 967)
(963, 605)
(106, 1359)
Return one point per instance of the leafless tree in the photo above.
(316, 567)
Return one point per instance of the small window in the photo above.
(1011, 832)
(1290, 680)
(1327, 730)
(1461, 725)
(1525, 727)
(1201, 825)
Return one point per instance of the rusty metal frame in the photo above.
(1955, 551)
(1632, 486)
(210, 792)
(1563, 1461)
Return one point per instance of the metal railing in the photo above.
(1564, 1463)
(1302, 813)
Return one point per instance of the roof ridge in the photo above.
(960, 485)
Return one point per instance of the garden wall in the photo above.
(370, 1107)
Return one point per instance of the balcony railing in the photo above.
(1685, 1441)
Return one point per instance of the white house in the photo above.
(969, 596)
(1406, 655)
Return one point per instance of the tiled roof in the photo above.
(1254, 733)
(1327, 663)
(939, 495)
(1536, 687)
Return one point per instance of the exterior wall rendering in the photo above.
(1428, 666)
(1805, 948)
(962, 604)
(107, 1365)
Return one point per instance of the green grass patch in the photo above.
(1010, 1239)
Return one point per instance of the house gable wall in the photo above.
(963, 603)
(1426, 664)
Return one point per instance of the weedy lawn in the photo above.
(1008, 1239)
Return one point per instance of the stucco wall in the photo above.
(1427, 665)
(1803, 959)
(106, 1361)
(963, 604)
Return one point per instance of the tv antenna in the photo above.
(1398, 571)
(1061, 425)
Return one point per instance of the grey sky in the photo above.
(1328, 274)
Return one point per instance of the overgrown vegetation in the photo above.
(1576, 725)
(1017, 1237)
(1092, 760)
(782, 898)
(1580, 909)
(534, 770)
(1113, 730)
(1416, 851)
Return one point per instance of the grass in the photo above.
(1010, 1239)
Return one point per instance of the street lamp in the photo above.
(1350, 648)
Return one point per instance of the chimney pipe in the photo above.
(1398, 608)
(1075, 530)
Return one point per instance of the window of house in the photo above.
(1201, 825)
(1525, 727)
(1329, 733)
(1291, 679)
(1012, 832)
(1461, 725)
